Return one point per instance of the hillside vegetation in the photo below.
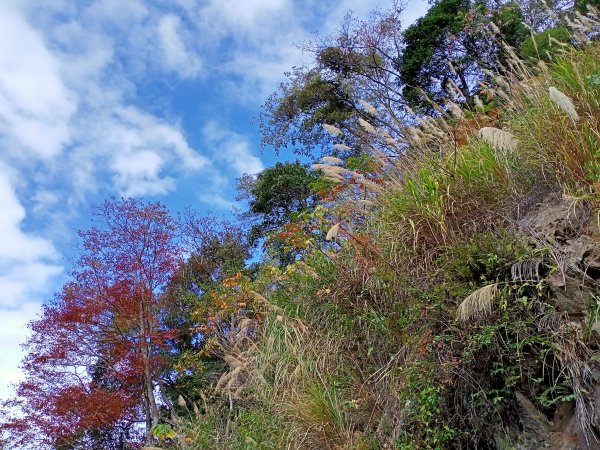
(432, 282)
(456, 302)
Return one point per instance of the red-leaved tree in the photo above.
(92, 365)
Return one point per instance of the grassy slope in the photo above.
(362, 349)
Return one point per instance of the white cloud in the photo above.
(141, 148)
(117, 12)
(233, 16)
(13, 333)
(35, 106)
(231, 148)
(28, 263)
(15, 246)
(138, 173)
(185, 63)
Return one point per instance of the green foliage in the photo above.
(275, 194)
(424, 62)
(545, 45)
(423, 402)
(163, 432)
(509, 19)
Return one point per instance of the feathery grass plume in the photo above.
(577, 26)
(368, 107)
(333, 231)
(455, 110)
(557, 42)
(331, 173)
(414, 134)
(390, 141)
(563, 102)
(542, 66)
(342, 147)
(497, 138)
(332, 160)
(478, 304)
(479, 106)
(329, 169)
(331, 129)
(367, 126)
(526, 270)
(430, 124)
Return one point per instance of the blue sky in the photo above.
(130, 98)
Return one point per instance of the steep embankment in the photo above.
(456, 300)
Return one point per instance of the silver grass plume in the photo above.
(331, 173)
(333, 231)
(414, 135)
(455, 110)
(332, 159)
(497, 138)
(478, 305)
(331, 129)
(368, 107)
(342, 147)
(479, 104)
(563, 102)
(329, 168)
(367, 126)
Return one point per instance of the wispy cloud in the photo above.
(35, 105)
(28, 263)
(184, 62)
(231, 150)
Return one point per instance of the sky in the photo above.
(147, 98)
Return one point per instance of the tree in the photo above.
(219, 250)
(274, 196)
(93, 361)
(356, 65)
(447, 49)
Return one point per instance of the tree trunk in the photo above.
(151, 410)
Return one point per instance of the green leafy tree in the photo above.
(447, 49)
(540, 45)
(274, 196)
(355, 65)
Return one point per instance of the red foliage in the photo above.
(92, 357)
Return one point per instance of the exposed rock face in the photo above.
(567, 228)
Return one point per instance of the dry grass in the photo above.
(526, 270)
